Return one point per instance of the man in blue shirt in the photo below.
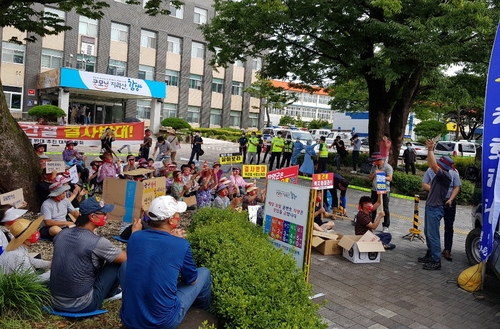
(152, 295)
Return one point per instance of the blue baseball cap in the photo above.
(446, 162)
(94, 204)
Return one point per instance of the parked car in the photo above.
(455, 148)
(473, 238)
(317, 133)
(420, 148)
(346, 137)
(303, 136)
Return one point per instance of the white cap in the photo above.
(164, 207)
(12, 214)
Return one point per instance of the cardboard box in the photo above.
(130, 197)
(362, 248)
(327, 243)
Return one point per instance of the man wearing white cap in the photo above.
(8, 216)
(55, 209)
(156, 299)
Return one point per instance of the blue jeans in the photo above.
(385, 238)
(433, 215)
(105, 286)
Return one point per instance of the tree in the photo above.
(270, 96)
(319, 124)
(287, 120)
(430, 129)
(20, 163)
(388, 44)
(299, 123)
(49, 112)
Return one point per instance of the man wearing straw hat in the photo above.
(55, 210)
(17, 258)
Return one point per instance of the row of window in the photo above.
(304, 112)
(310, 98)
(200, 14)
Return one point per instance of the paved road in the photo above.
(397, 292)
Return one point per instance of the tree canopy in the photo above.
(388, 44)
(430, 129)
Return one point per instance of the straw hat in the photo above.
(22, 229)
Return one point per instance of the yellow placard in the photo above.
(254, 171)
(229, 158)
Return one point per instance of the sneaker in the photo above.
(389, 246)
(116, 296)
(426, 259)
(385, 229)
(432, 266)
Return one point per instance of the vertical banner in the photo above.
(491, 153)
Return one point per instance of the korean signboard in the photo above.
(230, 158)
(322, 181)
(14, 198)
(381, 182)
(288, 175)
(254, 171)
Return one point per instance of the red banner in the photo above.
(125, 133)
(322, 181)
(289, 175)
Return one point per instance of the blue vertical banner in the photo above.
(491, 153)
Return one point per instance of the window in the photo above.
(51, 58)
(176, 12)
(234, 118)
(172, 78)
(239, 63)
(148, 39)
(119, 32)
(195, 81)
(237, 88)
(310, 98)
(197, 50)
(217, 85)
(193, 115)
(13, 97)
(13, 53)
(257, 63)
(56, 13)
(253, 119)
(87, 26)
(146, 72)
(323, 99)
(200, 15)
(174, 45)
(215, 117)
(117, 68)
(143, 109)
(85, 63)
(169, 111)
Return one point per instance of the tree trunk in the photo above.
(378, 112)
(20, 164)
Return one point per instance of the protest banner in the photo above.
(288, 175)
(58, 166)
(254, 171)
(230, 158)
(381, 182)
(73, 174)
(88, 135)
(322, 181)
(14, 198)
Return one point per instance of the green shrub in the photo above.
(462, 163)
(358, 180)
(466, 194)
(255, 285)
(406, 184)
(422, 166)
(49, 112)
(22, 295)
(175, 123)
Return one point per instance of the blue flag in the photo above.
(491, 153)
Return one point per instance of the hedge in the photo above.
(255, 285)
(175, 123)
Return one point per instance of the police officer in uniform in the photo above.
(287, 152)
(322, 155)
(277, 144)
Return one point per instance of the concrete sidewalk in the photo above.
(397, 292)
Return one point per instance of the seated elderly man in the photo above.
(55, 210)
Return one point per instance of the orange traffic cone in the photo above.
(205, 165)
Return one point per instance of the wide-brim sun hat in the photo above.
(221, 187)
(58, 188)
(12, 214)
(446, 162)
(22, 229)
(375, 157)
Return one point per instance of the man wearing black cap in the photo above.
(434, 209)
(379, 164)
(85, 266)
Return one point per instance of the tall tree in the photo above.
(390, 44)
(19, 161)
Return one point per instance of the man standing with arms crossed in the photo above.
(277, 145)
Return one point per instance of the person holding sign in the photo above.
(71, 156)
(364, 222)
(319, 213)
(434, 209)
(381, 168)
(277, 144)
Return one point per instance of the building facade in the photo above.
(128, 43)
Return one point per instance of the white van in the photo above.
(317, 133)
(455, 148)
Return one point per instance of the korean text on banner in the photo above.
(58, 166)
(14, 198)
(381, 182)
(322, 181)
(288, 175)
(229, 158)
(491, 153)
(286, 218)
(254, 171)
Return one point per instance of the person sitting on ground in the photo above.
(222, 200)
(81, 279)
(40, 149)
(8, 215)
(319, 224)
(189, 177)
(108, 168)
(164, 254)
(71, 156)
(43, 187)
(16, 258)
(179, 190)
(130, 164)
(364, 220)
(252, 196)
(204, 192)
(55, 210)
(93, 171)
(237, 180)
